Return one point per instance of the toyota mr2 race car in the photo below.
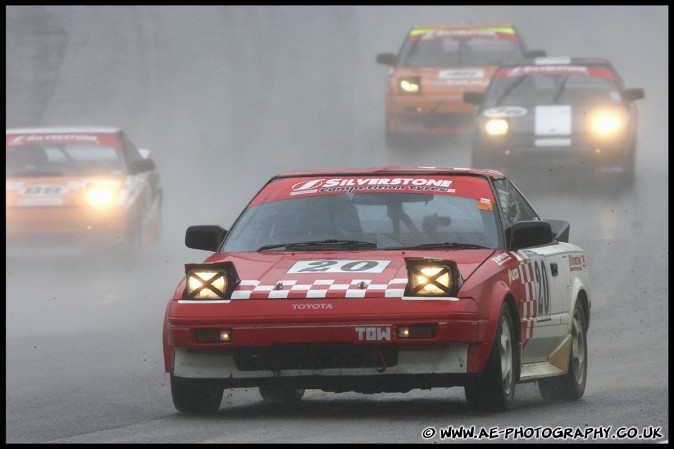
(556, 112)
(78, 190)
(435, 65)
(380, 280)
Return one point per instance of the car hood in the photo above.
(443, 79)
(54, 191)
(334, 274)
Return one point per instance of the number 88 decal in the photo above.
(42, 190)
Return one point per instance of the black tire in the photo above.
(570, 386)
(196, 396)
(280, 393)
(494, 388)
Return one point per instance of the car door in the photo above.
(545, 272)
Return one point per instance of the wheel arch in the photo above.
(579, 292)
(169, 354)
(584, 300)
(479, 354)
(511, 302)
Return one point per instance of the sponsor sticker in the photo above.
(461, 73)
(374, 333)
(484, 204)
(577, 263)
(505, 111)
(513, 275)
(349, 185)
(501, 258)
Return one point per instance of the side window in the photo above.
(525, 211)
(514, 206)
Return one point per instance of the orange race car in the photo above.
(70, 190)
(435, 65)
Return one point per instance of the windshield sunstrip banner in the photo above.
(464, 186)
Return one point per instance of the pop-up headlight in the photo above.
(210, 281)
(432, 277)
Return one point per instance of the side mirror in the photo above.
(141, 166)
(386, 58)
(633, 94)
(525, 234)
(475, 98)
(536, 54)
(206, 237)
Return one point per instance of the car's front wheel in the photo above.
(494, 389)
(570, 386)
(196, 396)
(281, 393)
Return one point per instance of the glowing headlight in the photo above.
(430, 277)
(606, 123)
(432, 281)
(496, 126)
(210, 281)
(410, 85)
(206, 284)
(101, 195)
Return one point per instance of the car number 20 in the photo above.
(339, 266)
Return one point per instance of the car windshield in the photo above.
(363, 221)
(452, 51)
(551, 89)
(62, 160)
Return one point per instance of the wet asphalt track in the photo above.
(227, 96)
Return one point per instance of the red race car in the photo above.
(435, 65)
(76, 190)
(381, 280)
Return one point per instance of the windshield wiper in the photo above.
(445, 245)
(324, 244)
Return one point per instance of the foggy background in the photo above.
(226, 97)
